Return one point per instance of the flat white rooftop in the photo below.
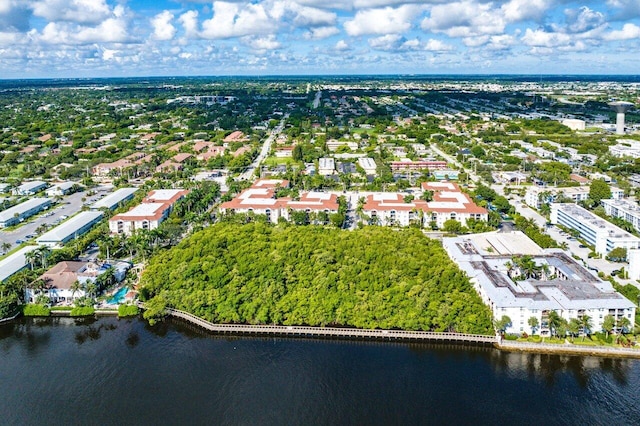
(69, 228)
(23, 207)
(14, 263)
(144, 210)
(164, 194)
(112, 200)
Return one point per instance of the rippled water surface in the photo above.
(112, 371)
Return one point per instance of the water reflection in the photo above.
(549, 367)
(92, 332)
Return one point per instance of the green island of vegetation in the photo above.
(263, 274)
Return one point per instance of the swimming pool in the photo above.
(118, 297)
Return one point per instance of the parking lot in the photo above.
(69, 206)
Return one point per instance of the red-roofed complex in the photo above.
(260, 198)
(418, 165)
(153, 210)
(388, 208)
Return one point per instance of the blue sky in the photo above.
(102, 38)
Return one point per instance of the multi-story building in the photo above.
(418, 165)
(148, 215)
(261, 199)
(625, 148)
(368, 165)
(536, 195)
(60, 189)
(599, 233)
(623, 209)
(449, 202)
(552, 281)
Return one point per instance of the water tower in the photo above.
(620, 107)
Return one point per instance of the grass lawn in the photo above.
(275, 161)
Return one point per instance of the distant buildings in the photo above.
(574, 124)
(29, 188)
(115, 199)
(418, 165)
(326, 166)
(148, 215)
(516, 278)
(60, 189)
(625, 148)
(623, 209)
(536, 195)
(368, 165)
(22, 211)
(602, 235)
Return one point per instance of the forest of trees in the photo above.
(263, 274)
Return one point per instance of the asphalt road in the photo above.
(264, 152)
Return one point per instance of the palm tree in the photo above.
(75, 287)
(31, 258)
(586, 324)
(5, 246)
(554, 322)
(43, 253)
(533, 323)
(623, 324)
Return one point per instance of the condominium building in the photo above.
(602, 235)
(29, 188)
(368, 165)
(148, 215)
(115, 199)
(552, 282)
(536, 195)
(623, 209)
(449, 202)
(261, 199)
(326, 166)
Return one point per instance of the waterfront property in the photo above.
(73, 228)
(115, 199)
(602, 235)
(148, 215)
(518, 279)
(14, 263)
(22, 211)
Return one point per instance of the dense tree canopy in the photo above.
(264, 274)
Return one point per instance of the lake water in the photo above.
(110, 371)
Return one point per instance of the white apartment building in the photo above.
(368, 165)
(326, 166)
(536, 195)
(623, 209)
(625, 148)
(560, 284)
(599, 233)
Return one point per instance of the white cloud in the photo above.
(14, 16)
(189, 21)
(230, 20)
(396, 42)
(540, 38)
(628, 32)
(162, 27)
(112, 30)
(523, 10)
(78, 11)
(464, 19)
(321, 32)
(583, 19)
(382, 21)
(262, 43)
(342, 46)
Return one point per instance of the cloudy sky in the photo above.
(101, 38)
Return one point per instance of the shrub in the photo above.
(34, 310)
(82, 311)
(127, 310)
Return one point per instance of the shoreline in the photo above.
(335, 333)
